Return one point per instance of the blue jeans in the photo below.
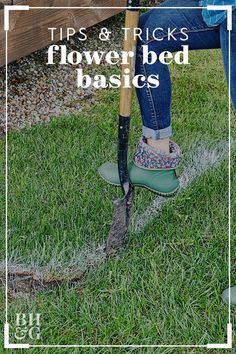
(155, 103)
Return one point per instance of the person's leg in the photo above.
(155, 103)
(224, 37)
(156, 160)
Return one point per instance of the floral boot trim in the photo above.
(152, 159)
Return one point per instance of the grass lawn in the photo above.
(165, 286)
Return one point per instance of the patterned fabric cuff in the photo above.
(150, 158)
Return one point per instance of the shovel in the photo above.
(122, 207)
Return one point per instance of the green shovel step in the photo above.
(164, 182)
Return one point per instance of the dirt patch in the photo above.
(28, 282)
(26, 279)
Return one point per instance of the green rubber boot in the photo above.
(151, 168)
(164, 182)
(225, 295)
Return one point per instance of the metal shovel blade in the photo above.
(120, 222)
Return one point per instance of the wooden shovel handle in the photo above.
(130, 43)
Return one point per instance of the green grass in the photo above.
(165, 287)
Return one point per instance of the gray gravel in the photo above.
(37, 92)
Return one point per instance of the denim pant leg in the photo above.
(224, 37)
(155, 103)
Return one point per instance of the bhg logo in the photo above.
(27, 326)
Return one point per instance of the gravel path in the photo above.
(37, 92)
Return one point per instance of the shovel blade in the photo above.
(120, 222)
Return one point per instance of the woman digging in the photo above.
(157, 157)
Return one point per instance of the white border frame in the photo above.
(7, 344)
